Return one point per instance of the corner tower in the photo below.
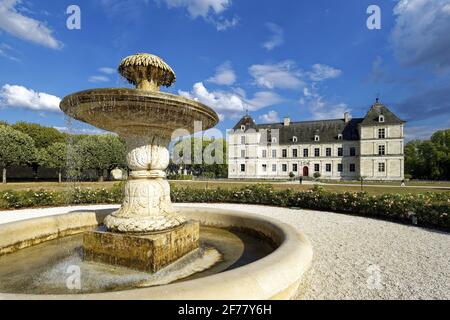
(382, 144)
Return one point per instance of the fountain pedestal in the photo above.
(148, 253)
(145, 233)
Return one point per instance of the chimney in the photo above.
(347, 117)
(287, 121)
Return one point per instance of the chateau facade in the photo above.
(342, 149)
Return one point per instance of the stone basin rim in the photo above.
(276, 276)
(65, 105)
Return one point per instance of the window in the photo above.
(305, 153)
(340, 167)
(264, 167)
(274, 168)
(243, 140)
(328, 167)
(242, 167)
(381, 167)
(242, 153)
(284, 153)
(381, 119)
(352, 167)
(284, 167)
(381, 133)
(295, 167)
(274, 153)
(295, 153)
(317, 152)
(274, 140)
(316, 138)
(243, 128)
(352, 151)
(382, 150)
(340, 152)
(264, 153)
(328, 152)
(294, 139)
(317, 167)
(340, 136)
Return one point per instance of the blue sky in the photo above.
(302, 59)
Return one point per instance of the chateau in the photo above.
(342, 149)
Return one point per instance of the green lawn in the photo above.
(229, 184)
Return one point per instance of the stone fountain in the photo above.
(147, 249)
(146, 233)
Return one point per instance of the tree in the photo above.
(213, 154)
(43, 137)
(17, 148)
(429, 159)
(55, 157)
(100, 153)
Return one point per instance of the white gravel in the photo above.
(354, 257)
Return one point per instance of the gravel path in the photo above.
(354, 257)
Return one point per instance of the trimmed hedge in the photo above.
(428, 209)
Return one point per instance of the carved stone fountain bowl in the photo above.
(134, 111)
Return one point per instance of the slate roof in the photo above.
(379, 109)
(327, 130)
(246, 121)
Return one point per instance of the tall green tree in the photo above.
(55, 157)
(206, 157)
(43, 137)
(429, 159)
(100, 153)
(16, 148)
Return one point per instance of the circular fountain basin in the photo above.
(262, 259)
(138, 111)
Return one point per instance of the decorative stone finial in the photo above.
(147, 71)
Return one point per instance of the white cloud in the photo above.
(230, 104)
(420, 34)
(225, 75)
(97, 79)
(8, 52)
(276, 38)
(200, 8)
(210, 10)
(15, 96)
(107, 70)
(270, 117)
(321, 72)
(223, 24)
(319, 107)
(283, 75)
(15, 23)
(264, 99)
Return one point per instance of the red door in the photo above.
(306, 172)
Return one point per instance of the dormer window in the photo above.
(274, 140)
(381, 119)
(317, 138)
(294, 139)
(243, 128)
(340, 136)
